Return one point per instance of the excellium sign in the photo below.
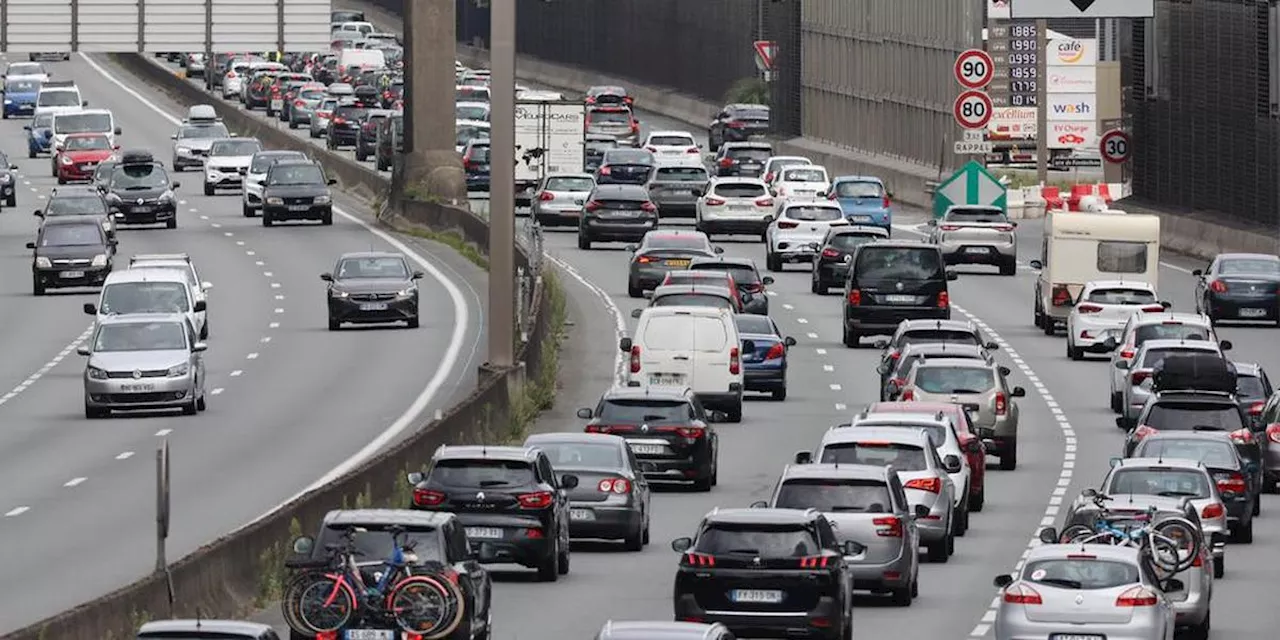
(1072, 79)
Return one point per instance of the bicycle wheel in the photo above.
(1077, 533)
(429, 606)
(291, 597)
(1165, 555)
(324, 605)
(1184, 532)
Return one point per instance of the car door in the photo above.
(562, 497)
(700, 414)
(473, 576)
(638, 479)
(195, 358)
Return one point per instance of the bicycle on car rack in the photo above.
(331, 594)
(1171, 542)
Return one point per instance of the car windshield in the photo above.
(104, 170)
(88, 143)
(903, 456)
(203, 131)
(59, 99)
(374, 544)
(937, 433)
(581, 455)
(571, 185)
(82, 123)
(906, 362)
(479, 153)
(954, 380)
(144, 297)
(850, 241)
(138, 177)
(1251, 388)
(681, 174)
(472, 112)
(349, 112)
(609, 117)
(976, 215)
(42, 121)
(22, 86)
(672, 141)
(756, 324)
(1121, 295)
(1249, 266)
(482, 473)
(807, 213)
(295, 174)
(853, 189)
(900, 262)
(804, 175)
(1153, 358)
(76, 206)
(740, 190)
(1170, 331)
(263, 161)
(692, 300)
(833, 496)
(140, 336)
(1210, 453)
(1160, 482)
(765, 541)
(1080, 573)
(25, 69)
(384, 267)
(1193, 416)
(235, 148)
(628, 156)
(71, 235)
(642, 410)
(674, 241)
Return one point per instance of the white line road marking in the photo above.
(812, 336)
(834, 387)
(828, 368)
(215, 225)
(125, 456)
(278, 310)
(265, 339)
(250, 253)
(274, 325)
(182, 202)
(252, 356)
(619, 320)
(840, 406)
(267, 274)
(821, 352)
(163, 432)
(275, 285)
(217, 392)
(259, 263)
(802, 321)
(787, 307)
(16, 511)
(227, 234)
(239, 243)
(201, 217)
(47, 367)
(74, 481)
(279, 297)
(236, 374)
(980, 630)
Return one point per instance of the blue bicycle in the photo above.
(1173, 543)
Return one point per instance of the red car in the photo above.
(80, 155)
(974, 451)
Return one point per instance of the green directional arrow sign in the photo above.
(973, 185)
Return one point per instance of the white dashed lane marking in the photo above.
(125, 456)
(46, 367)
(163, 432)
(73, 482)
(16, 511)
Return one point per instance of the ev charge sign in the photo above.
(974, 69)
(972, 109)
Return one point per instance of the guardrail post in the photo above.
(280, 26)
(75, 25)
(142, 26)
(4, 26)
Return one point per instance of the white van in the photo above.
(1080, 247)
(695, 347)
(84, 121)
(364, 58)
(151, 290)
(59, 97)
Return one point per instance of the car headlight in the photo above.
(275, 201)
(106, 224)
(182, 149)
(407, 291)
(322, 200)
(178, 371)
(100, 260)
(65, 160)
(43, 263)
(8, 101)
(96, 373)
(5, 177)
(338, 293)
(166, 196)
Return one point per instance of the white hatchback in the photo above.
(798, 184)
(673, 147)
(1103, 310)
(735, 205)
(799, 227)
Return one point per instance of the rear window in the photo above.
(1155, 357)
(260, 163)
(1209, 452)
(1170, 331)
(1248, 266)
(350, 113)
(751, 114)
(722, 539)
(482, 473)
(859, 190)
(628, 156)
(1193, 416)
(1121, 296)
(685, 333)
(954, 380)
(851, 241)
(759, 155)
(1122, 257)
(900, 262)
(742, 274)
(832, 496)
(750, 323)
(1160, 482)
(977, 215)
(903, 457)
(572, 185)
(1080, 573)
(626, 411)
(372, 545)
(609, 117)
(479, 153)
(814, 214)
(76, 205)
(582, 455)
(936, 432)
(804, 175)
(939, 335)
(672, 241)
(672, 141)
(681, 174)
(692, 300)
(1251, 388)
(740, 190)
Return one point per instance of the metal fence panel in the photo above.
(782, 25)
(1204, 134)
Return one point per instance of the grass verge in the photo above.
(453, 240)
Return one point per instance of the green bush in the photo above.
(748, 90)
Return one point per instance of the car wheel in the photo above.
(327, 219)
(334, 324)
(977, 500)
(1243, 533)
(266, 219)
(635, 290)
(201, 405)
(1116, 399)
(779, 394)
(1201, 631)
(562, 561)
(1257, 507)
(1009, 268)
(851, 338)
(548, 567)
(11, 201)
(1219, 567)
(772, 262)
(1009, 456)
(172, 223)
(189, 409)
(1074, 352)
(62, 180)
(584, 243)
(937, 550)
(208, 189)
(413, 322)
(94, 413)
(292, 124)
(37, 286)
(204, 331)
(816, 285)
(901, 597)
(735, 411)
(702, 485)
(635, 541)
(361, 156)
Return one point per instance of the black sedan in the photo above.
(831, 260)
(296, 190)
(661, 251)
(372, 287)
(611, 501)
(1240, 286)
(70, 251)
(626, 166)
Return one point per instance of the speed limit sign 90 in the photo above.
(974, 69)
(1116, 146)
(972, 109)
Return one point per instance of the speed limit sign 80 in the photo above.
(1115, 146)
(972, 109)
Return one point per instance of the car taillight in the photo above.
(726, 162)
(944, 300)
(1061, 297)
(635, 359)
(614, 485)
(648, 207)
(1198, 561)
(1152, 308)
(1229, 483)
(651, 149)
(1241, 436)
(908, 395)
(895, 355)
(713, 202)
(1088, 308)
(546, 196)
(1021, 594)
(275, 91)
(606, 170)
(231, 75)
(1002, 403)
(735, 361)
(593, 206)
(323, 114)
(830, 253)
(1127, 354)
(768, 177)
(427, 498)
(535, 500)
(1143, 431)
(815, 562)
(466, 164)
(533, 533)
(1218, 286)
(832, 196)
(855, 297)
(764, 201)
(694, 559)
(888, 527)
(949, 227)
(932, 485)
(1255, 409)
(1211, 511)
(1273, 432)
(339, 120)
(691, 150)
(886, 202)
(1138, 377)
(688, 433)
(299, 103)
(736, 125)
(1004, 227)
(635, 127)
(787, 224)
(775, 352)
(644, 259)
(1137, 597)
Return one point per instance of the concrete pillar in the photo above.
(431, 163)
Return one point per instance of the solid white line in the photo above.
(74, 481)
(250, 253)
(213, 224)
(259, 263)
(228, 234)
(16, 511)
(619, 320)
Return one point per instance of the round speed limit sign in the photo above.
(972, 109)
(1115, 146)
(974, 68)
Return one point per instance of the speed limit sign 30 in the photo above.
(974, 69)
(1116, 146)
(972, 109)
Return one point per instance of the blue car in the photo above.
(864, 200)
(20, 97)
(764, 364)
(40, 135)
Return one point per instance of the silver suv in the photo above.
(977, 235)
(1143, 326)
(1137, 388)
(982, 388)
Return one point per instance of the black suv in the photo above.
(1195, 410)
(738, 123)
(439, 542)
(344, 125)
(367, 138)
(140, 191)
(70, 251)
(390, 141)
(767, 573)
(509, 499)
(832, 256)
(296, 190)
(892, 281)
(742, 159)
(1253, 389)
(616, 213)
(667, 428)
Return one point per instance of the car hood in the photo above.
(371, 285)
(139, 194)
(137, 360)
(231, 161)
(88, 155)
(16, 96)
(81, 252)
(196, 143)
(299, 191)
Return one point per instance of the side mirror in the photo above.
(39, 213)
(1003, 580)
(83, 350)
(31, 245)
(631, 248)
(1004, 371)
(585, 413)
(759, 504)
(1019, 392)
(569, 481)
(1225, 345)
(205, 286)
(1114, 461)
(815, 246)
(951, 463)
(789, 341)
(748, 346)
(487, 553)
(767, 280)
(417, 275)
(199, 306)
(952, 275)
(624, 344)
(1197, 272)
(13, 167)
(28, 128)
(881, 344)
(90, 309)
(852, 548)
(331, 182)
(681, 545)
(199, 347)
(118, 131)
(175, 185)
(415, 478)
(1111, 343)
(172, 137)
(1036, 264)
(1048, 535)
(989, 444)
(718, 250)
(717, 417)
(882, 369)
(115, 147)
(1123, 364)
(636, 313)
(303, 546)
(1089, 493)
(327, 277)
(932, 223)
(84, 103)
(1166, 305)
(991, 346)
(803, 457)
(920, 511)
(1122, 423)
(893, 388)
(1173, 584)
(1250, 467)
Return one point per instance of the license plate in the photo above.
(486, 533)
(740, 207)
(648, 449)
(899, 299)
(761, 596)
(1253, 313)
(277, 104)
(677, 263)
(70, 275)
(977, 250)
(751, 166)
(299, 207)
(971, 407)
(136, 388)
(666, 379)
(369, 634)
(582, 514)
(373, 306)
(692, 192)
(862, 218)
(1076, 636)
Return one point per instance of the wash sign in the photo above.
(971, 185)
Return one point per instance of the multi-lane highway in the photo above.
(1067, 436)
(290, 401)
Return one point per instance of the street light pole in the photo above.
(502, 201)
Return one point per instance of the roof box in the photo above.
(202, 113)
(1195, 372)
(136, 157)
